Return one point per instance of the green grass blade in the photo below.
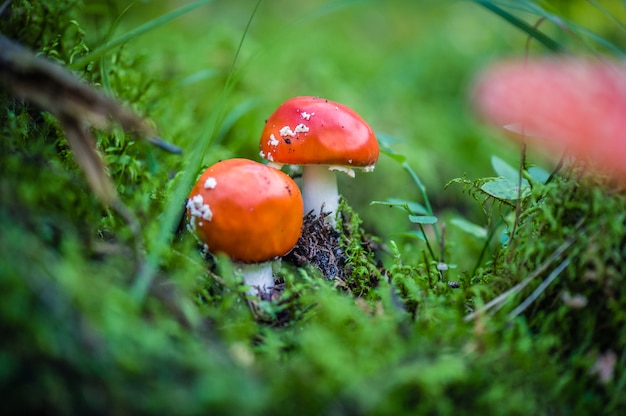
(146, 27)
(173, 207)
(597, 39)
(580, 33)
(607, 13)
(523, 26)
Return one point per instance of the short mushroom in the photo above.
(323, 136)
(248, 211)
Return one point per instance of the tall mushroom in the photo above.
(323, 136)
(250, 212)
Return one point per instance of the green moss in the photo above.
(47, 27)
(361, 268)
(577, 223)
(390, 337)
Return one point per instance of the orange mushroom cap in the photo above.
(247, 210)
(312, 130)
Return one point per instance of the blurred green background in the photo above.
(73, 335)
(406, 67)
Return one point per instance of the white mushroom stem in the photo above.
(319, 187)
(258, 276)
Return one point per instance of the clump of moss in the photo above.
(344, 254)
(570, 240)
(39, 181)
(362, 269)
(49, 27)
(343, 257)
(74, 340)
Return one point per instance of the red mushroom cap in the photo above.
(558, 103)
(312, 130)
(247, 210)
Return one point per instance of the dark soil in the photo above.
(319, 245)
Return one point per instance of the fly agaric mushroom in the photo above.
(248, 211)
(557, 103)
(323, 136)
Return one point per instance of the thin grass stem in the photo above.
(430, 249)
(427, 205)
(483, 251)
(520, 24)
(500, 300)
(540, 289)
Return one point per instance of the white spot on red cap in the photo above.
(301, 128)
(210, 183)
(197, 208)
(286, 131)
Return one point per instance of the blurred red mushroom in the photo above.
(561, 103)
(248, 211)
(323, 136)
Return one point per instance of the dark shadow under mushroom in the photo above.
(318, 245)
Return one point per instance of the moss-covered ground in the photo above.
(469, 298)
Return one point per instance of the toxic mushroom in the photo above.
(248, 211)
(558, 104)
(323, 136)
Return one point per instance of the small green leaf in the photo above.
(503, 169)
(503, 188)
(422, 219)
(469, 227)
(411, 207)
(504, 237)
(507, 171)
(539, 174)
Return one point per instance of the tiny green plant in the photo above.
(418, 213)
